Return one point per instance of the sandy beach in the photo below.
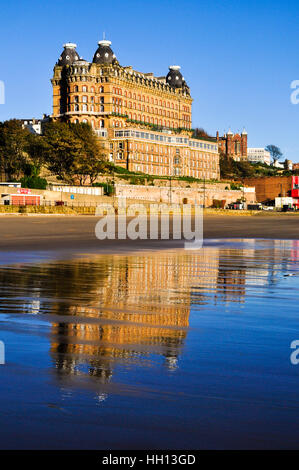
(71, 233)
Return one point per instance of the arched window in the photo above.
(76, 107)
(84, 107)
(84, 88)
(76, 89)
(84, 99)
(102, 108)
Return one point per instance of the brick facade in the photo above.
(269, 188)
(143, 122)
(233, 145)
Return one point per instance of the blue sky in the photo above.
(239, 58)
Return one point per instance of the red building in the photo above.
(233, 145)
(295, 191)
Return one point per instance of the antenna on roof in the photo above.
(104, 36)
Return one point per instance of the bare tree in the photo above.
(275, 152)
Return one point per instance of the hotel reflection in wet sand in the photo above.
(140, 306)
(148, 347)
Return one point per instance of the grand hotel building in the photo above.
(143, 122)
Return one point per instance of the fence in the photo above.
(51, 204)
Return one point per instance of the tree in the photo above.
(90, 163)
(36, 148)
(13, 141)
(72, 152)
(61, 149)
(229, 168)
(199, 132)
(275, 152)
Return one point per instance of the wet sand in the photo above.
(166, 350)
(68, 233)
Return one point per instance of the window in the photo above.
(84, 107)
(84, 88)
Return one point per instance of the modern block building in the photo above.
(144, 123)
(258, 155)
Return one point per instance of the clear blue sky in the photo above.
(239, 58)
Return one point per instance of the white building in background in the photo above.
(33, 125)
(258, 155)
(286, 165)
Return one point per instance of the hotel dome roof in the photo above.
(69, 55)
(174, 77)
(104, 54)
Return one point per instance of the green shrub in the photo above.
(34, 182)
(108, 188)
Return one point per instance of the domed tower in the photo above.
(60, 78)
(69, 54)
(104, 54)
(174, 77)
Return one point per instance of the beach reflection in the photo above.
(109, 310)
(147, 348)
